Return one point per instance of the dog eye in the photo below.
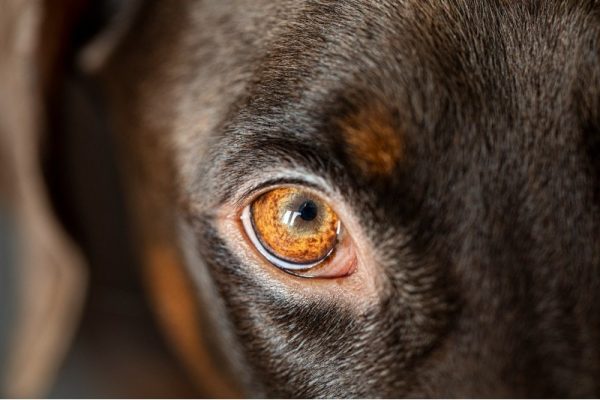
(298, 232)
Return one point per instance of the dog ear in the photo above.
(43, 275)
(81, 112)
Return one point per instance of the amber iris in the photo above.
(295, 225)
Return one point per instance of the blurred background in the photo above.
(75, 319)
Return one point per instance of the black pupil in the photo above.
(308, 210)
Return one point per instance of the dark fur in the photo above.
(489, 226)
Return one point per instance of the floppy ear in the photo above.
(80, 112)
(185, 322)
(42, 274)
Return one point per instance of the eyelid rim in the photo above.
(246, 218)
(305, 180)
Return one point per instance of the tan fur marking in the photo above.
(374, 144)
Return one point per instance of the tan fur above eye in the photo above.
(372, 140)
(294, 225)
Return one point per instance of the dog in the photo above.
(458, 143)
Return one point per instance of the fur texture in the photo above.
(486, 222)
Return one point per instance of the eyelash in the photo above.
(248, 195)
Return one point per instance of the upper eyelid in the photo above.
(310, 181)
(255, 191)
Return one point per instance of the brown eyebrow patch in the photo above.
(372, 140)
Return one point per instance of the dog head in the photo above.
(456, 142)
